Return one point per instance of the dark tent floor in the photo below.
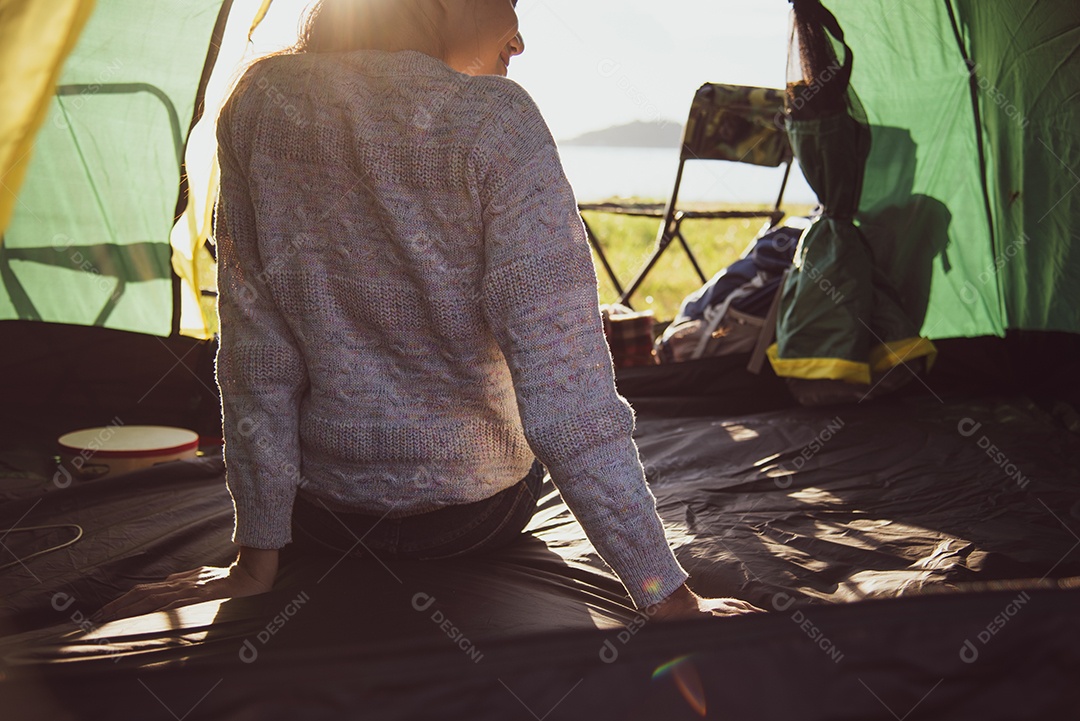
(903, 566)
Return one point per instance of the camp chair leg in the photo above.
(768, 330)
(690, 255)
(595, 242)
(705, 137)
(636, 283)
(674, 232)
(783, 187)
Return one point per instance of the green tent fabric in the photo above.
(89, 240)
(970, 204)
(951, 86)
(839, 319)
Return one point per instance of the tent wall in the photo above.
(973, 250)
(89, 240)
(1027, 58)
(971, 201)
(66, 377)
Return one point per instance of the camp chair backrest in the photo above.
(734, 123)
(737, 123)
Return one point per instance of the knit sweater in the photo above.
(408, 307)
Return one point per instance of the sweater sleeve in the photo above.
(260, 371)
(540, 298)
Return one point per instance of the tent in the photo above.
(918, 555)
(840, 320)
(967, 202)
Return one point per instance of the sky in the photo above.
(590, 64)
(594, 63)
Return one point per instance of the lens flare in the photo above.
(651, 585)
(687, 681)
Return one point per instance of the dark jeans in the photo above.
(450, 531)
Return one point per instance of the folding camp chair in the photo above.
(727, 122)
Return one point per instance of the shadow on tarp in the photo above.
(895, 500)
(814, 504)
(825, 504)
(873, 660)
(878, 500)
(141, 526)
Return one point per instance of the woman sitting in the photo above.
(408, 312)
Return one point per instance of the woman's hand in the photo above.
(684, 603)
(252, 573)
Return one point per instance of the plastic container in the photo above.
(93, 453)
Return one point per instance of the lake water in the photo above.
(597, 173)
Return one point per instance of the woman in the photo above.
(409, 313)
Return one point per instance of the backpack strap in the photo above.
(715, 314)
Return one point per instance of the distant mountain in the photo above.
(639, 134)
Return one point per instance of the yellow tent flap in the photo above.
(36, 37)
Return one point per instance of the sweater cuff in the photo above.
(632, 541)
(262, 524)
(653, 578)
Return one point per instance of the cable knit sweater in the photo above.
(408, 307)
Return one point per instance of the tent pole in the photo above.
(200, 99)
(973, 83)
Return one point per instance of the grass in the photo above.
(628, 243)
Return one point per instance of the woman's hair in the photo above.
(332, 26)
(390, 25)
